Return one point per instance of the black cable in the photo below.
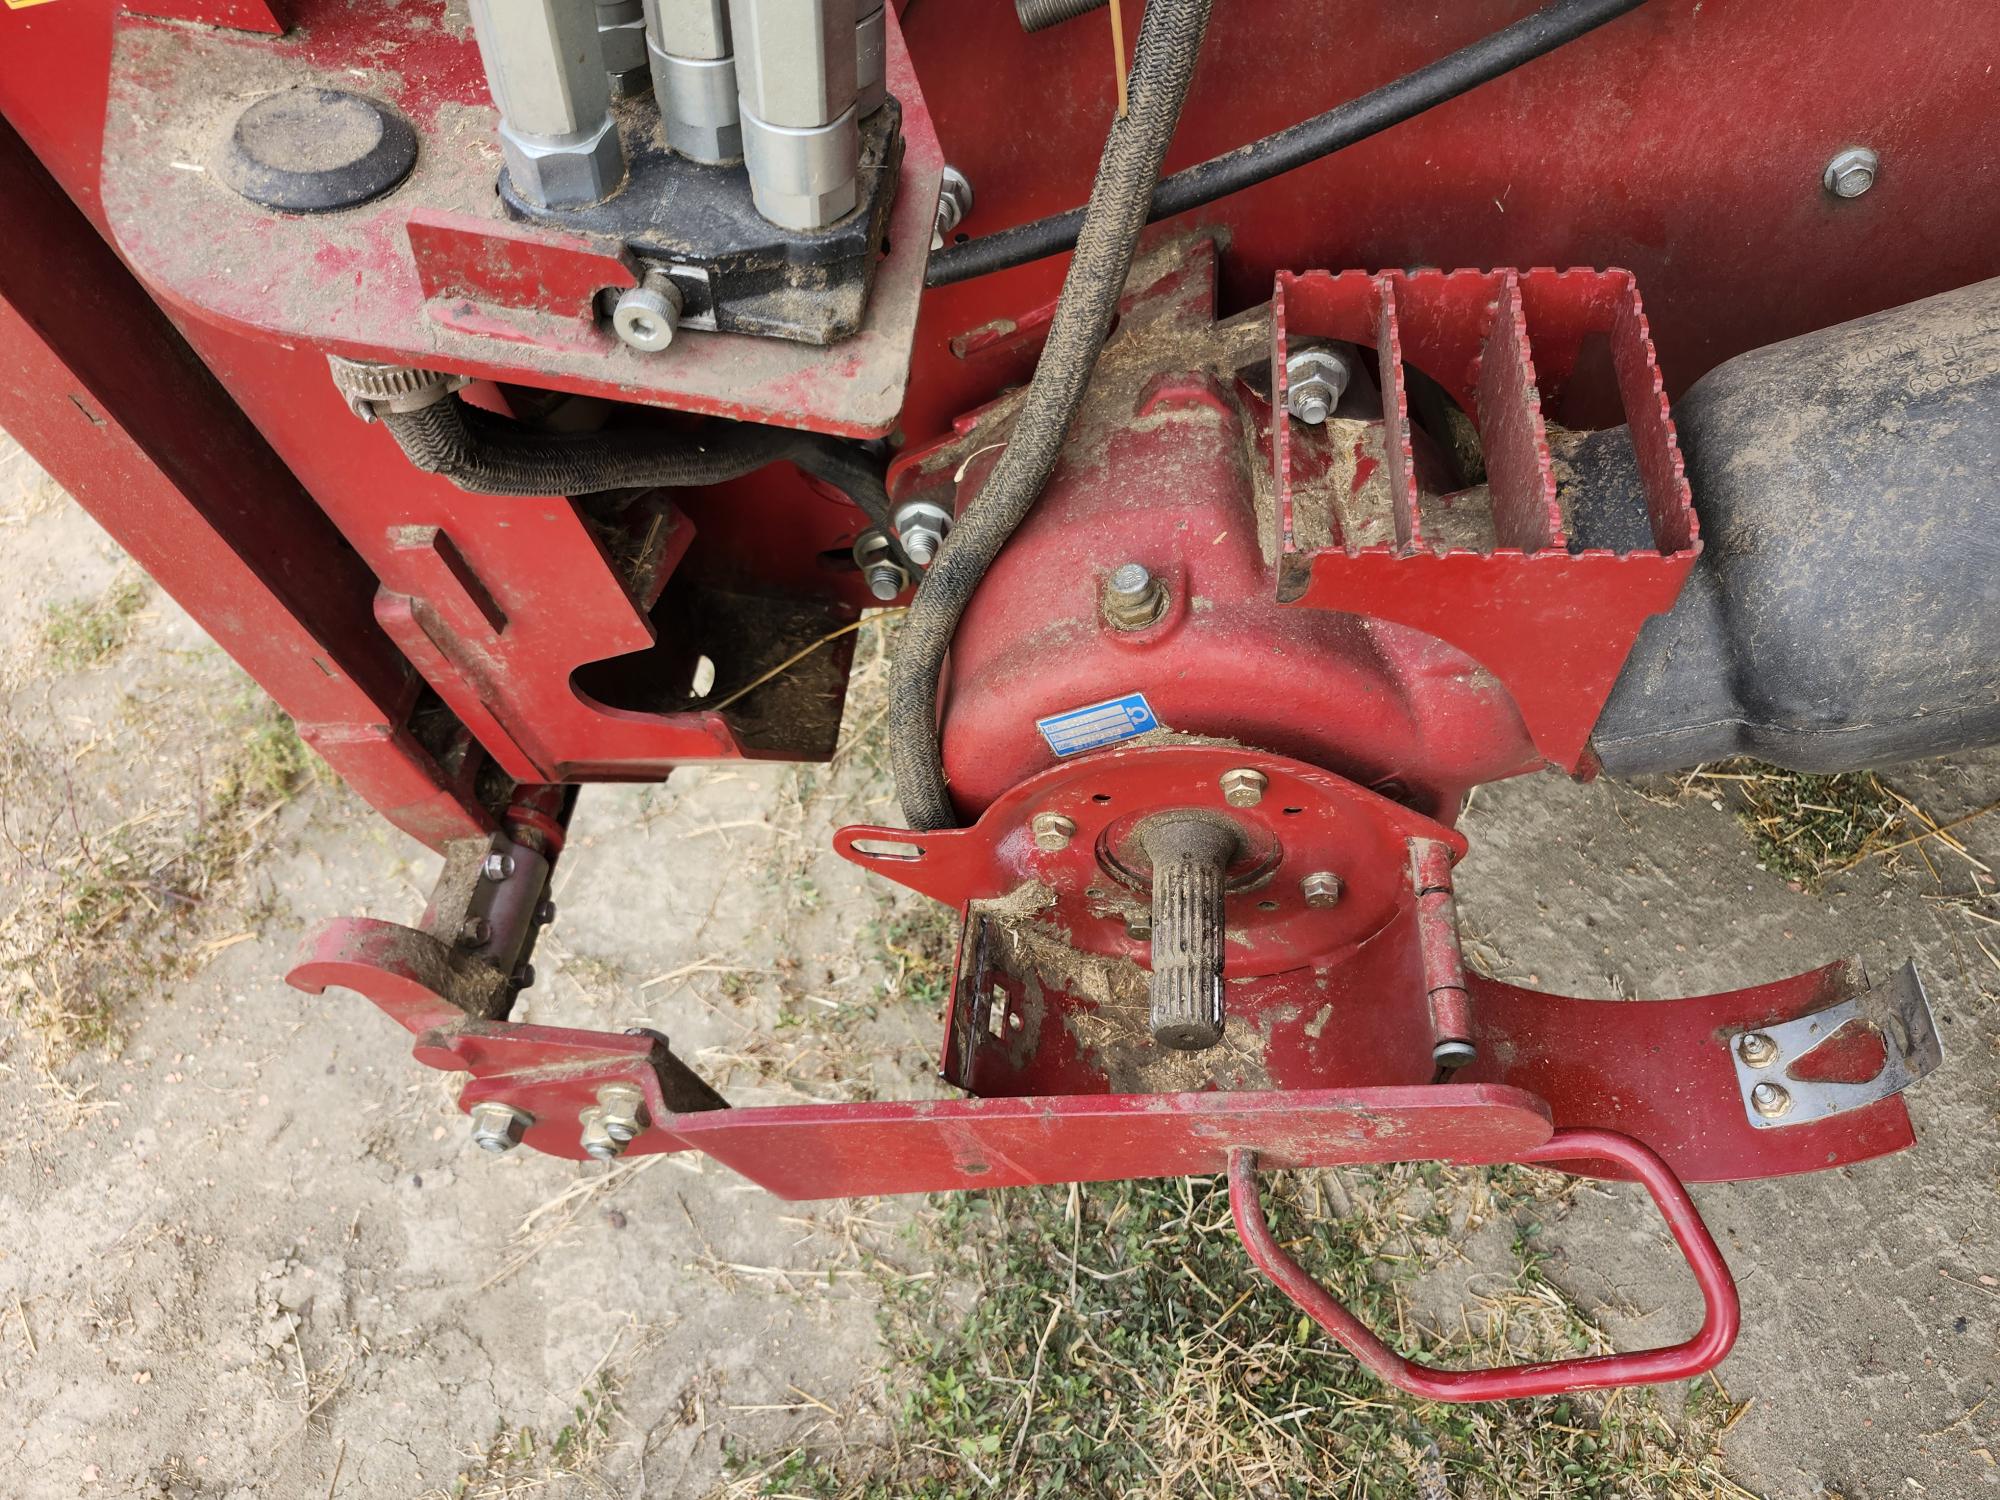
(1433, 84)
(1169, 40)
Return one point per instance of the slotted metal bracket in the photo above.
(1898, 1012)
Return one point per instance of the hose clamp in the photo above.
(370, 389)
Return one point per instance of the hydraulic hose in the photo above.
(493, 455)
(1433, 84)
(1169, 40)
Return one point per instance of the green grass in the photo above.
(87, 632)
(1159, 1362)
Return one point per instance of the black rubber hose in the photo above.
(1169, 40)
(1431, 85)
(493, 455)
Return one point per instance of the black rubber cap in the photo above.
(310, 151)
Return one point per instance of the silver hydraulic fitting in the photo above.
(795, 93)
(1314, 382)
(954, 203)
(371, 389)
(877, 561)
(545, 67)
(621, 32)
(694, 78)
(923, 525)
(871, 59)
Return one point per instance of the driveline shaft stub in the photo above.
(1190, 858)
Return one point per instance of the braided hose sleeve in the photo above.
(1169, 41)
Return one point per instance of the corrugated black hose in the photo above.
(493, 455)
(1169, 40)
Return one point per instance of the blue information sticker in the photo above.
(1100, 724)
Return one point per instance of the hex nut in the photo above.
(598, 1143)
(923, 525)
(647, 316)
(1052, 831)
(498, 1126)
(1756, 1049)
(1851, 172)
(886, 577)
(567, 176)
(1769, 1100)
(1133, 597)
(954, 203)
(1321, 889)
(1315, 380)
(622, 1110)
(475, 932)
(1244, 787)
(497, 867)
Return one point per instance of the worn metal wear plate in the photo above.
(1898, 1013)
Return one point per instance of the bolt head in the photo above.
(1769, 1100)
(646, 317)
(545, 912)
(1756, 1049)
(566, 176)
(1052, 831)
(1322, 888)
(497, 1126)
(1244, 787)
(1851, 172)
(475, 932)
(498, 867)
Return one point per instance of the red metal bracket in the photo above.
(1510, 1382)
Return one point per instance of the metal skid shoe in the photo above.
(1347, 1031)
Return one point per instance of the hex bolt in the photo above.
(1052, 831)
(647, 316)
(498, 867)
(1756, 1049)
(954, 203)
(1851, 172)
(922, 525)
(497, 1126)
(1769, 1100)
(1315, 380)
(475, 932)
(1133, 597)
(1321, 889)
(598, 1143)
(886, 578)
(622, 1110)
(1244, 787)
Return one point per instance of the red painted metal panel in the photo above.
(369, 283)
(830, 1151)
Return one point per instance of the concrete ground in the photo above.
(248, 1250)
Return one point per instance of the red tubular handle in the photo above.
(1509, 1382)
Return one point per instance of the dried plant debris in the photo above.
(1115, 1340)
